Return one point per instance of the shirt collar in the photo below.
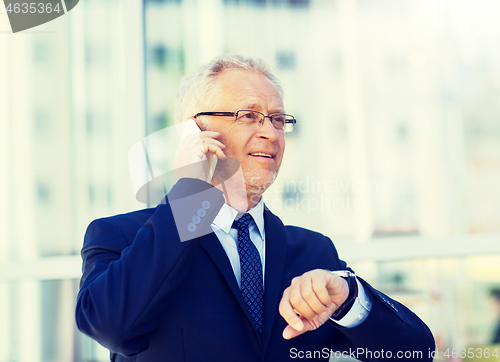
(225, 218)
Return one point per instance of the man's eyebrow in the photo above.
(256, 107)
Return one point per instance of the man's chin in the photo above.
(259, 181)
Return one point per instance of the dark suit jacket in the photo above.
(147, 296)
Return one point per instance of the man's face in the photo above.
(236, 90)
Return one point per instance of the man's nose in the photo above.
(267, 130)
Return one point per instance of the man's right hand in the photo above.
(191, 155)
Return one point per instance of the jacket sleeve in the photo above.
(127, 280)
(390, 331)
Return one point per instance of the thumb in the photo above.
(289, 332)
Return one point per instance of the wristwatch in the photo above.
(350, 277)
(343, 273)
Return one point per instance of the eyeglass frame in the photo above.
(292, 121)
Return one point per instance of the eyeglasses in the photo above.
(255, 120)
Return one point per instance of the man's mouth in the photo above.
(261, 154)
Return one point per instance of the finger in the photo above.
(213, 141)
(196, 140)
(209, 134)
(338, 289)
(190, 141)
(297, 300)
(319, 285)
(208, 147)
(185, 157)
(288, 314)
(193, 143)
(308, 291)
(289, 332)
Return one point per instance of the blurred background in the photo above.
(396, 155)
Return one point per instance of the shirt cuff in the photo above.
(359, 310)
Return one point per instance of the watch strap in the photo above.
(353, 293)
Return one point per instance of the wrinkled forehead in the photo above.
(246, 89)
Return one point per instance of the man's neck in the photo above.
(241, 203)
(237, 193)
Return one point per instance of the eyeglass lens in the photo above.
(253, 118)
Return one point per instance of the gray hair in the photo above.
(193, 91)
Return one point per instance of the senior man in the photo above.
(241, 286)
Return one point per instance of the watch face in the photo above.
(343, 273)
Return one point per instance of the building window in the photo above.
(286, 59)
(43, 193)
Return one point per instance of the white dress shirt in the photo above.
(228, 238)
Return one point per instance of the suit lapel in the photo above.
(215, 251)
(275, 265)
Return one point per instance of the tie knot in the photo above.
(242, 222)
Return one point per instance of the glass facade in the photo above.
(396, 154)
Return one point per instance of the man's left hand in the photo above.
(310, 301)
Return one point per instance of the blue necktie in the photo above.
(251, 272)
